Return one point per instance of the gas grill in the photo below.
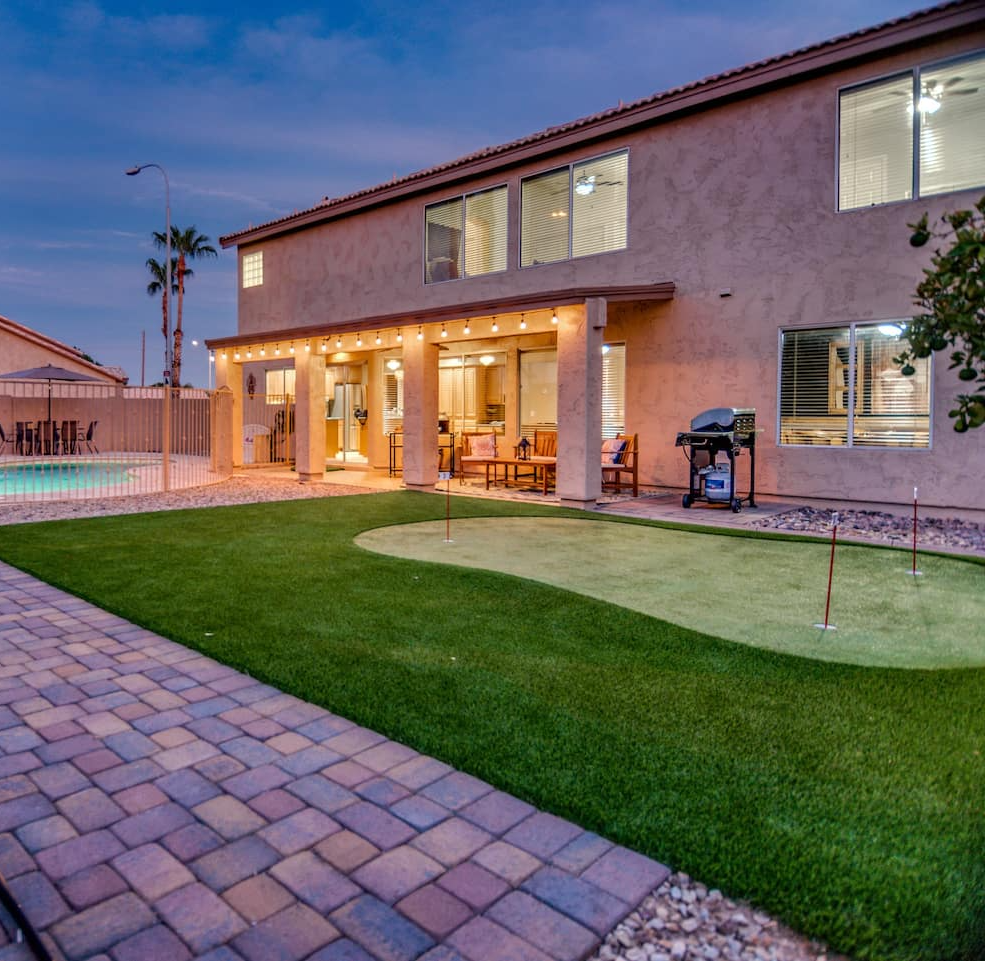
(721, 430)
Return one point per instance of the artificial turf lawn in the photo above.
(755, 591)
(847, 800)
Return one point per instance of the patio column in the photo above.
(420, 413)
(309, 416)
(230, 374)
(579, 402)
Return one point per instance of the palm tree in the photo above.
(158, 285)
(189, 244)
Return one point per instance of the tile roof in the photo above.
(327, 204)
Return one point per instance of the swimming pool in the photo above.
(43, 477)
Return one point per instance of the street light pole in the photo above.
(168, 357)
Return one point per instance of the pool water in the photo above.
(49, 476)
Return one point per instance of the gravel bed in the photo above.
(943, 533)
(685, 921)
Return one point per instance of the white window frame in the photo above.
(252, 268)
(915, 73)
(570, 214)
(852, 402)
(463, 199)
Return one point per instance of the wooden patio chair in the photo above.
(619, 462)
(470, 457)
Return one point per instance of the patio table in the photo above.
(545, 465)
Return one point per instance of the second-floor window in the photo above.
(465, 236)
(574, 211)
(253, 269)
(916, 134)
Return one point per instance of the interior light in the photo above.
(585, 186)
(927, 104)
(487, 359)
(393, 364)
(605, 348)
(891, 330)
(554, 316)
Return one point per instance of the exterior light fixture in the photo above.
(236, 355)
(891, 330)
(224, 355)
(400, 336)
(359, 340)
(487, 359)
(495, 326)
(263, 351)
(467, 330)
(444, 333)
(379, 339)
(393, 364)
(307, 347)
(277, 351)
(292, 348)
(249, 352)
(338, 342)
(324, 346)
(523, 322)
(554, 316)
(420, 333)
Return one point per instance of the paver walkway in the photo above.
(156, 805)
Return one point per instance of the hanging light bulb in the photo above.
(379, 339)
(523, 322)
(495, 326)
(324, 346)
(249, 352)
(338, 342)
(400, 336)
(236, 355)
(420, 333)
(223, 355)
(554, 316)
(292, 348)
(444, 333)
(359, 340)
(263, 351)
(277, 351)
(307, 346)
(468, 329)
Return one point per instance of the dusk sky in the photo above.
(257, 110)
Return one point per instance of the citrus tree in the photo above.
(952, 298)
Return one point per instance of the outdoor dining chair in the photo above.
(24, 437)
(5, 441)
(86, 437)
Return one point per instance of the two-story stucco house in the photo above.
(741, 241)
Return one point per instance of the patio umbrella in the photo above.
(49, 373)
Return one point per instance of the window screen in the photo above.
(840, 386)
(598, 205)
(876, 143)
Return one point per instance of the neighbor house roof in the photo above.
(947, 18)
(59, 349)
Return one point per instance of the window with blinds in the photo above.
(253, 269)
(465, 236)
(574, 211)
(916, 134)
(841, 386)
(279, 385)
(613, 390)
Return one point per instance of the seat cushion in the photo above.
(612, 451)
(483, 445)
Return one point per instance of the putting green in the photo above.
(765, 593)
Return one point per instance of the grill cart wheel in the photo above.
(686, 500)
(736, 505)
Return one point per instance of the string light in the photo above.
(292, 348)
(444, 333)
(467, 330)
(307, 347)
(379, 339)
(523, 322)
(359, 340)
(263, 351)
(400, 336)
(495, 326)
(277, 351)
(224, 355)
(236, 355)
(420, 333)
(338, 342)
(249, 352)
(324, 346)
(554, 316)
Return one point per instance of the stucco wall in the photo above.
(741, 197)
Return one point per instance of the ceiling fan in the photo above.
(586, 185)
(934, 92)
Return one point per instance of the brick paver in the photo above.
(157, 805)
